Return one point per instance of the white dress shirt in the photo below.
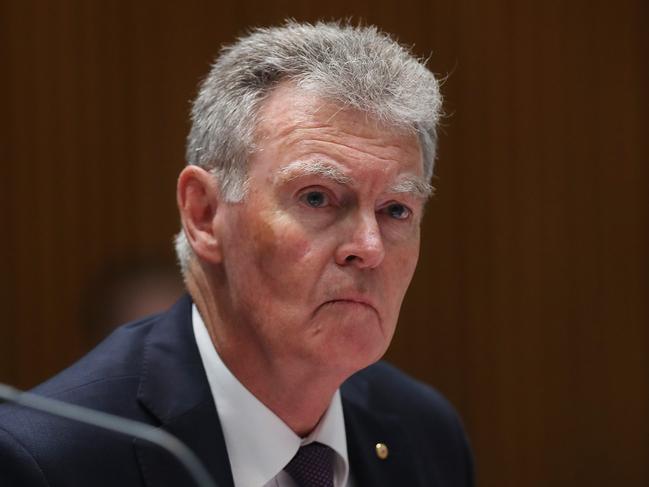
(258, 442)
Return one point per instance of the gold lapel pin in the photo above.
(381, 450)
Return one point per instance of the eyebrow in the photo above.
(416, 186)
(320, 168)
(413, 185)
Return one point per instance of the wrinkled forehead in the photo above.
(289, 107)
(307, 135)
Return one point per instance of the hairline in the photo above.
(226, 153)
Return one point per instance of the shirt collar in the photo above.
(259, 443)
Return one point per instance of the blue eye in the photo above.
(398, 211)
(315, 199)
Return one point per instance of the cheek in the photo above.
(411, 259)
(403, 268)
(282, 254)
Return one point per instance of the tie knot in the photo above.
(312, 466)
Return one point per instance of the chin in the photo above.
(350, 356)
(350, 341)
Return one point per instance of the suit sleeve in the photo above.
(18, 468)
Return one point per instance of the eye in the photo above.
(398, 211)
(315, 199)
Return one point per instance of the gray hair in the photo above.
(354, 66)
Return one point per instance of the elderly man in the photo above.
(309, 161)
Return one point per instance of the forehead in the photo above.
(295, 123)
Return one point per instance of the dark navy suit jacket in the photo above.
(151, 371)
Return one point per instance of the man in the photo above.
(309, 161)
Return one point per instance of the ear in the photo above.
(198, 196)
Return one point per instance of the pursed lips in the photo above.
(354, 300)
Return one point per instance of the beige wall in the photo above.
(529, 309)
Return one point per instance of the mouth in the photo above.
(351, 302)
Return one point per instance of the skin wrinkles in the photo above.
(302, 127)
(304, 295)
(346, 210)
(335, 142)
(381, 156)
(292, 135)
(286, 142)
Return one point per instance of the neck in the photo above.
(298, 393)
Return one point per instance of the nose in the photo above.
(362, 246)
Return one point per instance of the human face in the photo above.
(318, 256)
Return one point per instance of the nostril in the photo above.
(350, 258)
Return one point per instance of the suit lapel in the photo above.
(174, 390)
(365, 427)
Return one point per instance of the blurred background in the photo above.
(530, 306)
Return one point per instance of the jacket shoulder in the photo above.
(116, 358)
(35, 446)
(423, 414)
(17, 465)
(395, 392)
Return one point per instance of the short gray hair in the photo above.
(355, 66)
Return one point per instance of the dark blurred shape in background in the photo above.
(127, 289)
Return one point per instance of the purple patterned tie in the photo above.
(312, 466)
